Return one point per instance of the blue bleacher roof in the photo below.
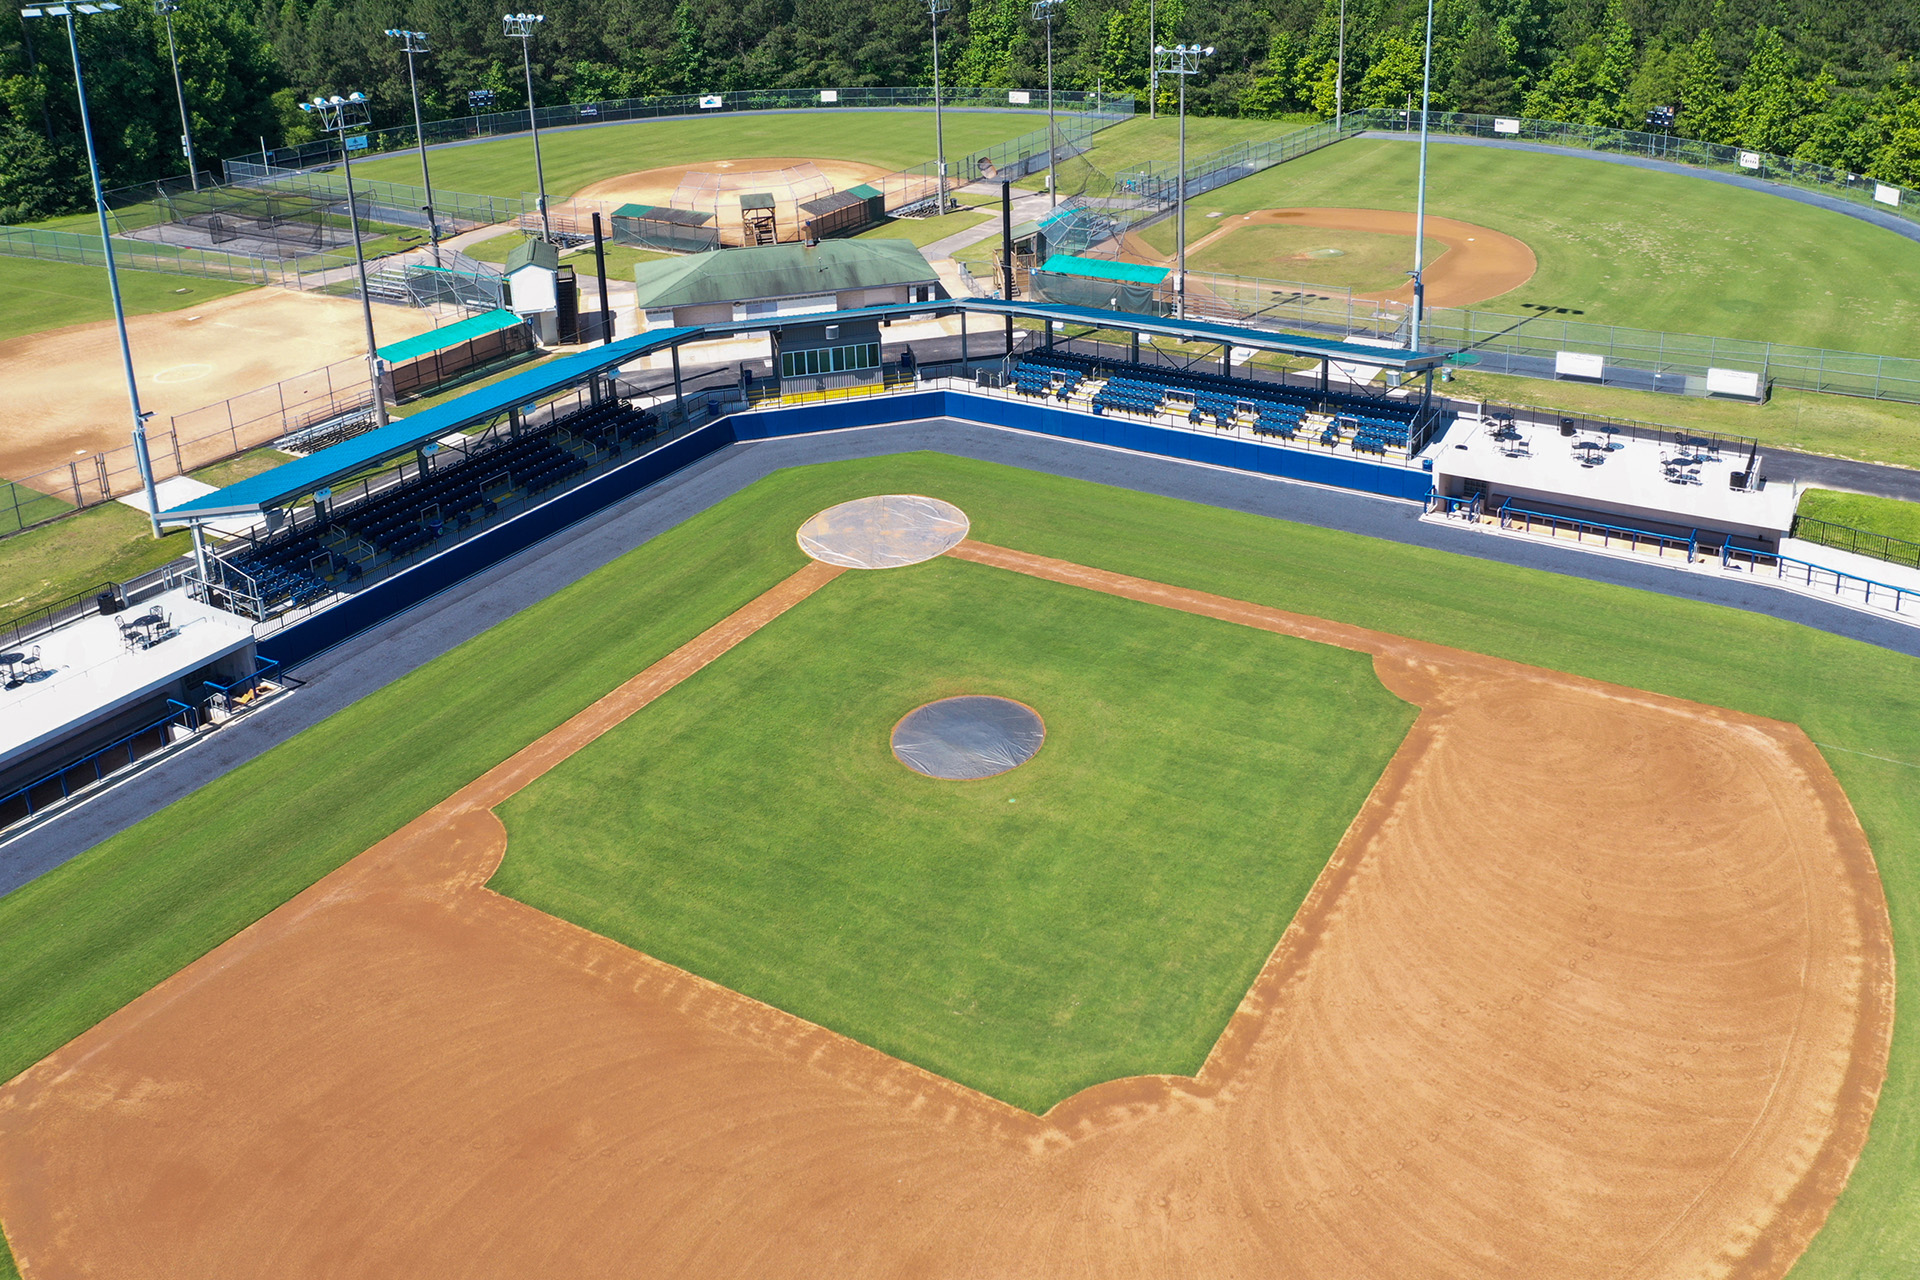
(304, 475)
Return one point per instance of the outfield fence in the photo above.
(499, 123)
(1856, 188)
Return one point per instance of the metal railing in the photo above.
(1861, 542)
(499, 123)
(1806, 573)
(1606, 534)
(53, 789)
(21, 628)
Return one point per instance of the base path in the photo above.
(1479, 263)
(66, 397)
(1598, 984)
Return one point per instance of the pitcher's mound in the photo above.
(962, 739)
(884, 532)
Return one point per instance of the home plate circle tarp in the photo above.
(884, 532)
(969, 737)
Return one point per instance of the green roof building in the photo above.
(783, 280)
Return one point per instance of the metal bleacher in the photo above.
(1363, 423)
(390, 524)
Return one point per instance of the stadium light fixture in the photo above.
(1420, 198)
(140, 455)
(166, 9)
(519, 26)
(1340, 70)
(412, 42)
(1181, 60)
(340, 115)
(1044, 11)
(934, 9)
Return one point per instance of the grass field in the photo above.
(107, 543)
(1133, 876)
(1888, 517)
(575, 158)
(21, 506)
(36, 296)
(86, 938)
(1839, 426)
(924, 231)
(1141, 141)
(1628, 246)
(1364, 261)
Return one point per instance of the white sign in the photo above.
(1733, 382)
(829, 95)
(1577, 364)
(1749, 160)
(1506, 126)
(708, 101)
(1020, 96)
(1886, 194)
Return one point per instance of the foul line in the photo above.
(1905, 764)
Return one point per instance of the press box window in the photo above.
(799, 364)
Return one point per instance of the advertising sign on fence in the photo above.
(829, 95)
(1749, 159)
(357, 142)
(1020, 96)
(1578, 364)
(1886, 194)
(1733, 382)
(708, 101)
(1506, 126)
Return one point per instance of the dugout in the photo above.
(1099, 282)
(654, 226)
(842, 213)
(428, 360)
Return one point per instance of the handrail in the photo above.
(1841, 578)
(24, 794)
(22, 628)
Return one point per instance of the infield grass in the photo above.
(1624, 246)
(1096, 913)
(575, 158)
(86, 938)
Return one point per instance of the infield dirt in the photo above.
(66, 397)
(656, 186)
(1599, 983)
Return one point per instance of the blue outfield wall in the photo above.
(369, 608)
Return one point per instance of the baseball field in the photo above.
(1625, 246)
(1367, 910)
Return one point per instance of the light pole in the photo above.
(519, 26)
(1153, 75)
(934, 9)
(166, 9)
(338, 115)
(1182, 60)
(1420, 198)
(144, 462)
(1340, 70)
(412, 42)
(1043, 11)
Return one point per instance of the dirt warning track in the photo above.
(1598, 984)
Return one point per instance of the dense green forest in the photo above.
(1836, 81)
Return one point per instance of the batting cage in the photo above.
(262, 222)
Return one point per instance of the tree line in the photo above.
(1832, 81)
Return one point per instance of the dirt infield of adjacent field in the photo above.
(1480, 263)
(656, 186)
(1598, 983)
(66, 397)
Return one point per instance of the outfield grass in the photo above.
(575, 158)
(91, 935)
(1362, 260)
(1142, 141)
(1134, 875)
(1838, 426)
(1889, 517)
(1627, 246)
(36, 296)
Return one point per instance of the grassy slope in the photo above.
(1889, 517)
(1200, 857)
(1628, 246)
(21, 506)
(1839, 426)
(91, 935)
(574, 158)
(108, 543)
(36, 296)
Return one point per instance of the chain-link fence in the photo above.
(1855, 188)
(499, 123)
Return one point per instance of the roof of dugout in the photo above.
(302, 476)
